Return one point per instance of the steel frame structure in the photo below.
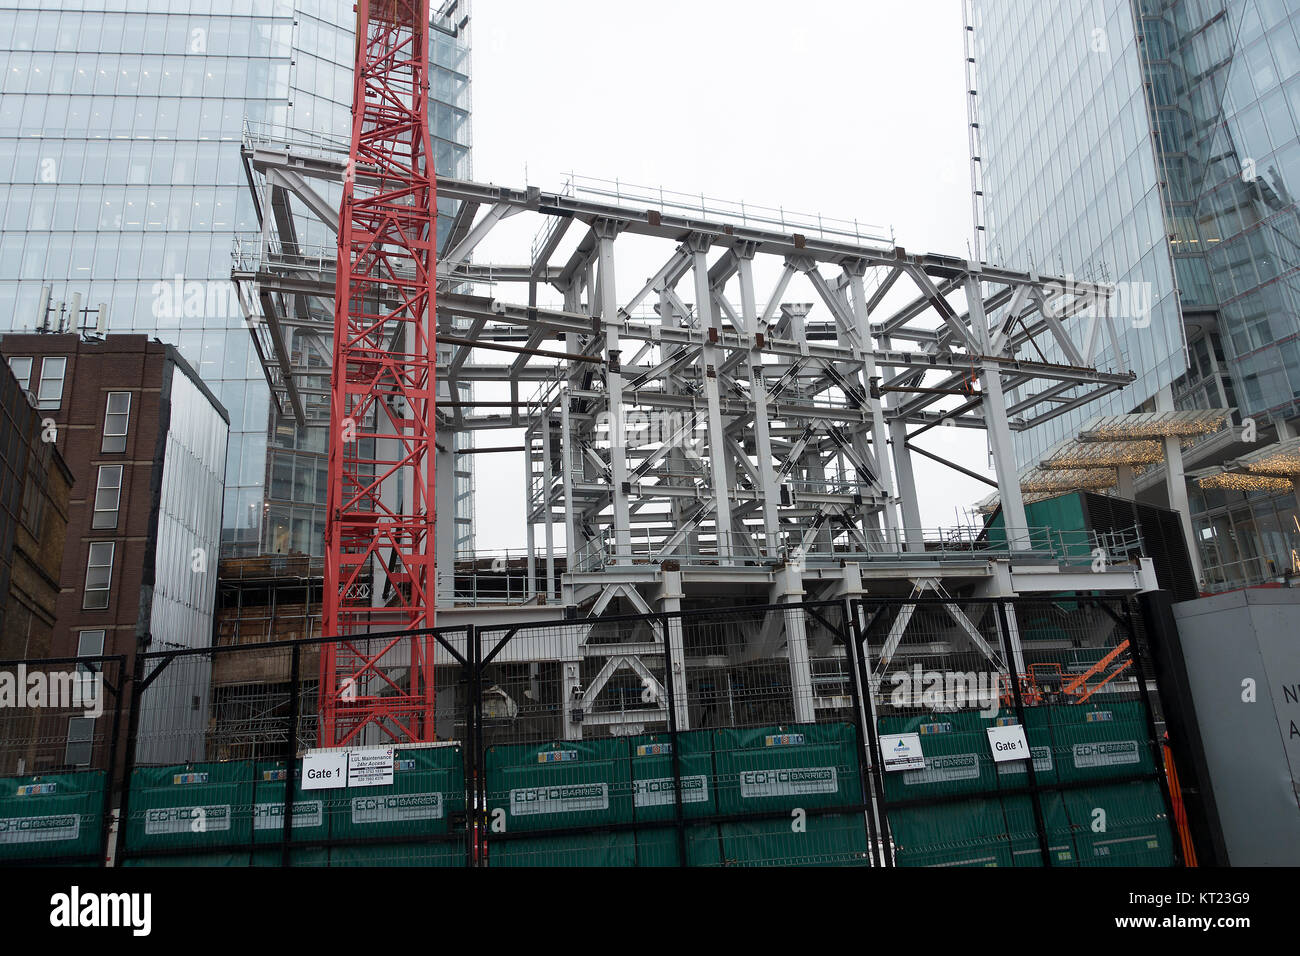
(379, 530)
(803, 409)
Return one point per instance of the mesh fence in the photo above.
(746, 736)
(745, 751)
(60, 736)
(960, 680)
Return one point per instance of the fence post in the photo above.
(290, 757)
(478, 832)
(671, 687)
(863, 674)
(112, 757)
(1157, 754)
(861, 717)
(132, 732)
(1004, 631)
(473, 761)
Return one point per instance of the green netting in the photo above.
(589, 849)
(778, 768)
(1121, 825)
(191, 805)
(307, 856)
(1097, 741)
(556, 785)
(51, 815)
(834, 839)
(652, 776)
(956, 751)
(658, 846)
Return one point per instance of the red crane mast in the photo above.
(379, 529)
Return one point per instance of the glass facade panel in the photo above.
(121, 179)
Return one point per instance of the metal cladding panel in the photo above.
(781, 768)
(1121, 825)
(956, 752)
(428, 787)
(191, 805)
(652, 776)
(51, 815)
(568, 783)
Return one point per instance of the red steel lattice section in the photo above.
(379, 530)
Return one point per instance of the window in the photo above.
(108, 496)
(116, 417)
(21, 366)
(50, 394)
(81, 741)
(89, 644)
(99, 574)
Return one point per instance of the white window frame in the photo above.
(43, 399)
(109, 414)
(102, 489)
(87, 741)
(98, 546)
(24, 378)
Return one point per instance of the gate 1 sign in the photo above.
(902, 751)
(325, 771)
(1008, 743)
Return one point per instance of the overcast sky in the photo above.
(855, 110)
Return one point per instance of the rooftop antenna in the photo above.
(43, 309)
(69, 318)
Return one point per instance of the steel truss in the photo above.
(379, 532)
(791, 424)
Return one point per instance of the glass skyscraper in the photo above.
(1158, 141)
(122, 184)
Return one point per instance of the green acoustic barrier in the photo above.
(653, 798)
(191, 806)
(1096, 741)
(833, 839)
(1121, 825)
(560, 785)
(1022, 830)
(955, 747)
(310, 820)
(428, 789)
(790, 770)
(588, 849)
(223, 859)
(652, 776)
(970, 832)
(52, 815)
(781, 768)
(658, 846)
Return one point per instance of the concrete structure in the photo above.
(1155, 147)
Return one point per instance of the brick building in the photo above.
(145, 440)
